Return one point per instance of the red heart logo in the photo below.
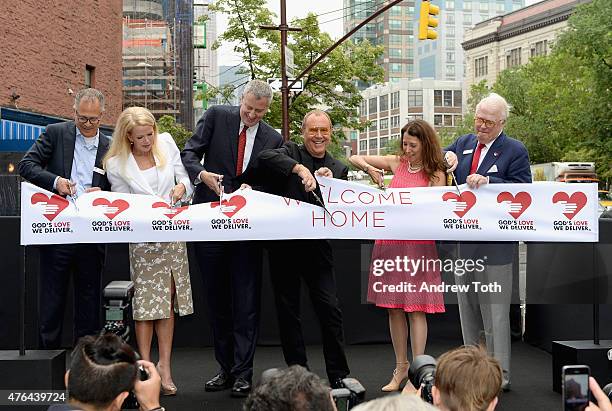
(236, 201)
(54, 204)
(467, 197)
(121, 205)
(522, 197)
(578, 199)
(172, 212)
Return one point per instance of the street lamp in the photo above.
(146, 90)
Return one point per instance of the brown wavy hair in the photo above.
(431, 152)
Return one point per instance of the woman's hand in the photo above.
(177, 192)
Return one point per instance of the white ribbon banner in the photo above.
(495, 212)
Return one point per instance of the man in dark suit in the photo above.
(230, 140)
(294, 167)
(67, 159)
(489, 156)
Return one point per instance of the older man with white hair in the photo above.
(488, 156)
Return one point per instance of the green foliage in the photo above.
(167, 124)
(329, 84)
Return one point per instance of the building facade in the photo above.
(394, 30)
(390, 106)
(158, 57)
(512, 39)
(443, 58)
(205, 68)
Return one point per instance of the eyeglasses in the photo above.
(487, 123)
(313, 131)
(85, 119)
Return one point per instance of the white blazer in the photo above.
(128, 178)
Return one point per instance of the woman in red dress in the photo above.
(418, 163)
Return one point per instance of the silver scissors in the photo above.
(452, 176)
(220, 182)
(318, 200)
(382, 180)
(73, 196)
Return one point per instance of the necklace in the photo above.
(414, 170)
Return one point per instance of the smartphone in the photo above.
(576, 393)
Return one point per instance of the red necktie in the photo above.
(476, 158)
(241, 147)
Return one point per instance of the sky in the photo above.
(331, 21)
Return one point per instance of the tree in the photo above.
(330, 84)
(167, 124)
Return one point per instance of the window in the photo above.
(450, 69)
(395, 137)
(449, 4)
(395, 121)
(410, 53)
(467, 5)
(89, 76)
(437, 98)
(384, 123)
(457, 98)
(448, 98)
(450, 31)
(395, 24)
(395, 79)
(363, 145)
(483, 7)
(395, 39)
(395, 67)
(383, 102)
(513, 57)
(415, 117)
(450, 19)
(448, 120)
(373, 143)
(395, 53)
(450, 44)
(450, 56)
(396, 11)
(437, 119)
(363, 108)
(481, 67)
(500, 7)
(374, 125)
(539, 49)
(395, 100)
(384, 141)
(415, 98)
(467, 19)
(458, 120)
(373, 108)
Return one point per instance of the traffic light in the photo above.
(427, 22)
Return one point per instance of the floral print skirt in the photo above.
(153, 266)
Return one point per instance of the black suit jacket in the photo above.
(285, 183)
(281, 181)
(216, 140)
(52, 154)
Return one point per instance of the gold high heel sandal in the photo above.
(400, 373)
(167, 389)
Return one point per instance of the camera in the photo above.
(352, 394)
(117, 301)
(421, 374)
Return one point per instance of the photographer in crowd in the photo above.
(467, 379)
(103, 370)
(294, 388)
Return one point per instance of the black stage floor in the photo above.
(371, 364)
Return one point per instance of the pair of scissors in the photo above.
(318, 200)
(220, 183)
(381, 185)
(73, 196)
(452, 174)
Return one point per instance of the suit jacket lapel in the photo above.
(135, 176)
(464, 166)
(493, 153)
(68, 143)
(258, 144)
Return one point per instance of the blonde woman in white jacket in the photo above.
(141, 161)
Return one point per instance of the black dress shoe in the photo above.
(336, 383)
(241, 388)
(219, 382)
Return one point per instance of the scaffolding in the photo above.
(153, 58)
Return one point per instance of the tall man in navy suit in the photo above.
(67, 159)
(230, 140)
(489, 156)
